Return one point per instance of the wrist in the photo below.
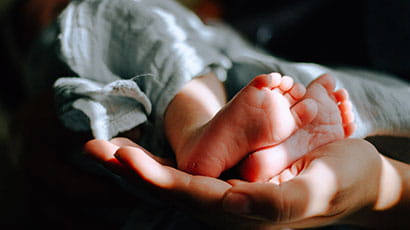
(391, 184)
(402, 171)
(392, 204)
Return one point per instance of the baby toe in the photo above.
(341, 95)
(327, 81)
(286, 83)
(349, 129)
(266, 80)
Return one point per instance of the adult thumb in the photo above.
(308, 195)
(274, 203)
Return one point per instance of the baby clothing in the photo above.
(131, 58)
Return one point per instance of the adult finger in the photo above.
(103, 152)
(124, 142)
(143, 164)
(200, 195)
(197, 190)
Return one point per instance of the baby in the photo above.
(271, 122)
(153, 62)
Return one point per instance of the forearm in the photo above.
(194, 105)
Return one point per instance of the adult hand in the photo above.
(201, 195)
(346, 182)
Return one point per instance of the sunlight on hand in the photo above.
(390, 186)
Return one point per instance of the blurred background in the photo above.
(38, 185)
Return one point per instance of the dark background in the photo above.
(367, 33)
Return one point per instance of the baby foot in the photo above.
(264, 113)
(334, 121)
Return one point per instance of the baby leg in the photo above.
(264, 113)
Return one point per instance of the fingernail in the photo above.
(237, 203)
